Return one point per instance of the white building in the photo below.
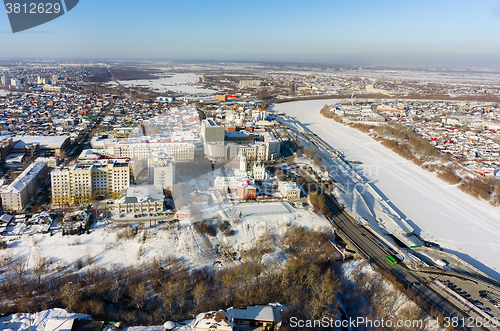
(161, 171)
(224, 183)
(24, 187)
(259, 171)
(50, 161)
(141, 199)
(142, 148)
(288, 190)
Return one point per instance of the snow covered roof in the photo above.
(254, 313)
(90, 154)
(25, 178)
(141, 193)
(212, 320)
(246, 184)
(6, 218)
(288, 186)
(44, 141)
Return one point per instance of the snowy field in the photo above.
(179, 83)
(258, 209)
(439, 212)
(180, 240)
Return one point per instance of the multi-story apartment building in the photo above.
(161, 171)
(72, 185)
(109, 179)
(80, 184)
(17, 195)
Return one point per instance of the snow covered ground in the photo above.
(179, 83)
(21, 322)
(180, 240)
(439, 212)
(392, 303)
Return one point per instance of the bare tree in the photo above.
(199, 293)
(19, 268)
(70, 295)
(41, 266)
(139, 295)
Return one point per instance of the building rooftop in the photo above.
(25, 177)
(44, 141)
(141, 193)
(253, 313)
(288, 185)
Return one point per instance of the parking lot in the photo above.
(485, 298)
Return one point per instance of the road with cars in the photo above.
(375, 252)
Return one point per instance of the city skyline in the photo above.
(424, 33)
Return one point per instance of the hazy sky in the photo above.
(364, 32)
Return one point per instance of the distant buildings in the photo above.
(53, 145)
(17, 195)
(6, 80)
(142, 148)
(52, 88)
(253, 83)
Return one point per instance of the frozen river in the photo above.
(439, 212)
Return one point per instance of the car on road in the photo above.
(486, 309)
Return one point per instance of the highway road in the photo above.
(372, 250)
(375, 252)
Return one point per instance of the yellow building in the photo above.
(80, 184)
(72, 185)
(109, 180)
